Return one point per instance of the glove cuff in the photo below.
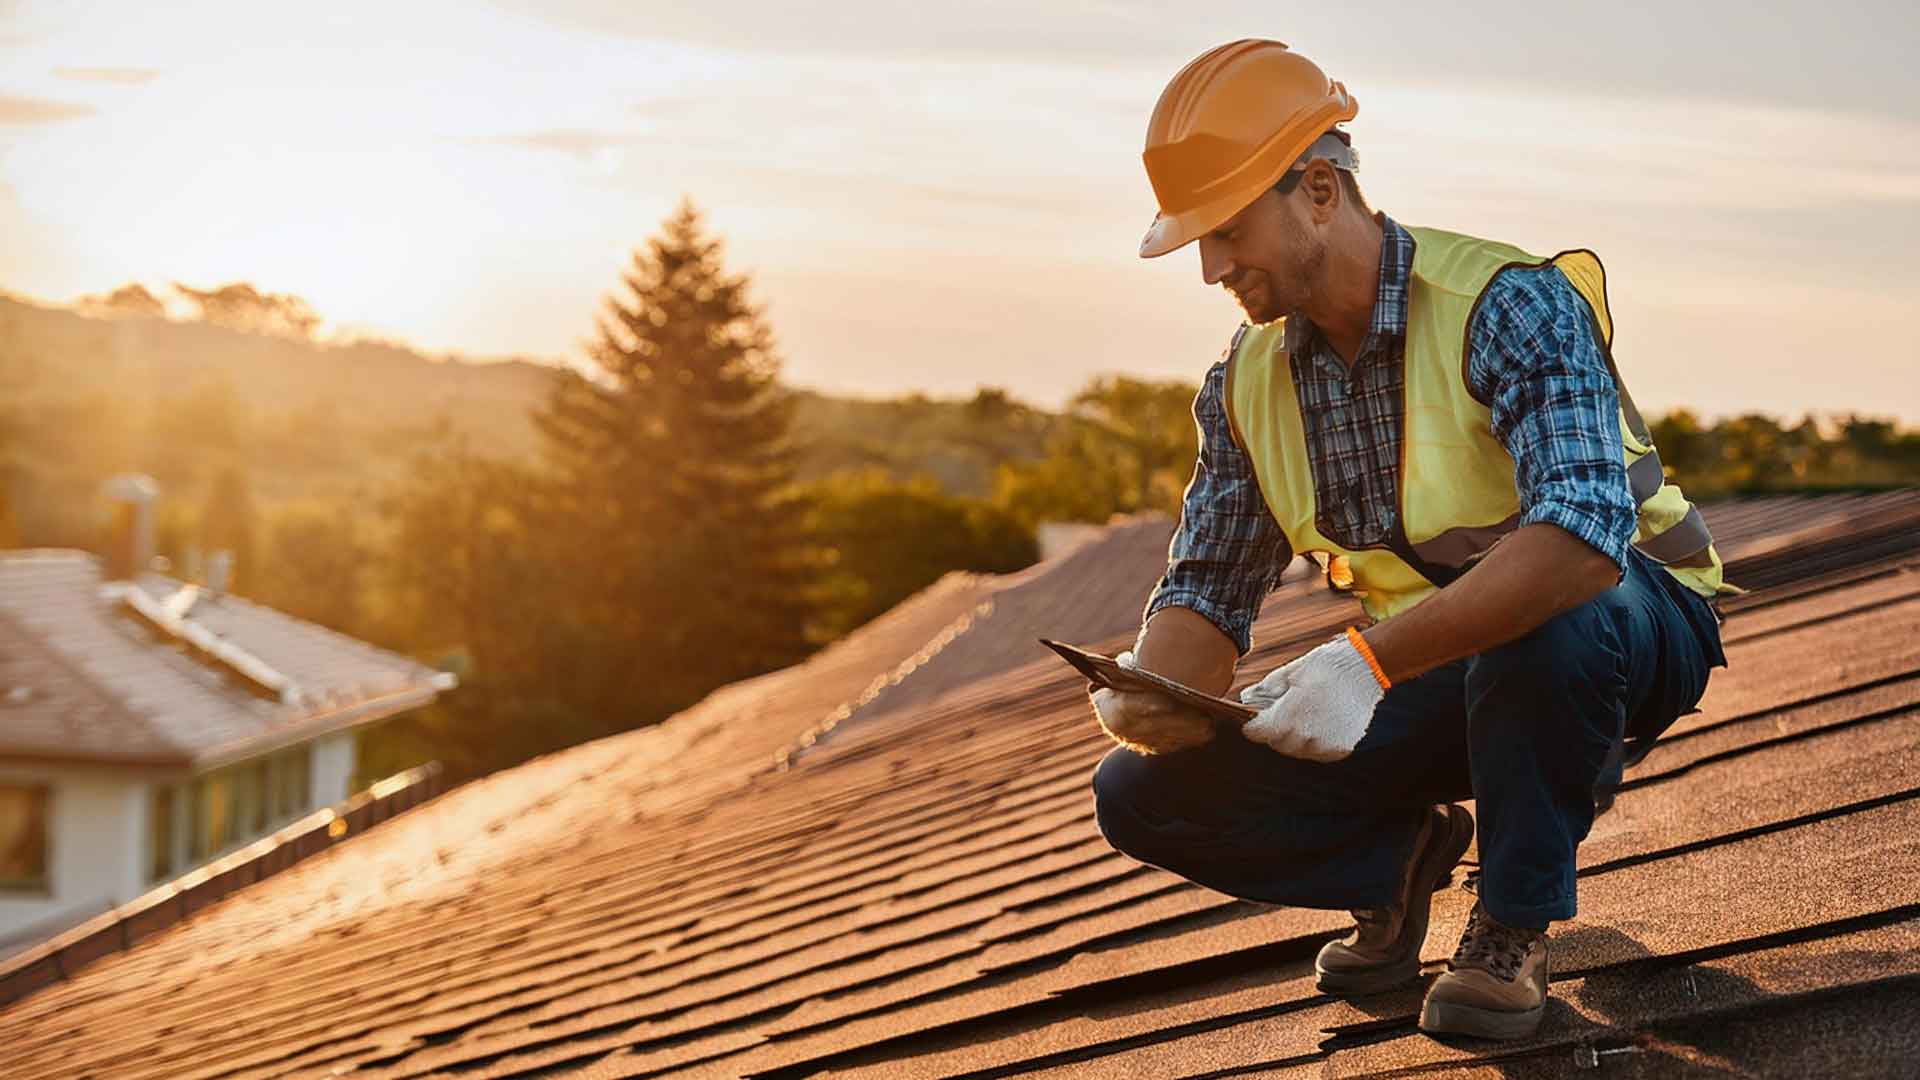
(1360, 646)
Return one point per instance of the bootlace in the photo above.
(1493, 947)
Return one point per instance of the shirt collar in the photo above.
(1389, 303)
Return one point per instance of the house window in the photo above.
(160, 832)
(293, 781)
(231, 806)
(258, 798)
(23, 838)
(197, 820)
(219, 812)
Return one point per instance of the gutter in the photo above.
(315, 725)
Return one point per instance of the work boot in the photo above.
(1384, 949)
(1495, 986)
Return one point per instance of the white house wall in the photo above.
(94, 844)
(333, 761)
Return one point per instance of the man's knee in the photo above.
(1120, 785)
(1576, 655)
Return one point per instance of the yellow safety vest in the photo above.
(1456, 483)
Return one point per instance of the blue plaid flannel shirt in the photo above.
(1532, 358)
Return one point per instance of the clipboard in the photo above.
(1105, 671)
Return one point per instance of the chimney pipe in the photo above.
(130, 548)
(219, 572)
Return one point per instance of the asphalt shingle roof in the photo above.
(917, 889)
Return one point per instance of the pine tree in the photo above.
(672, 467)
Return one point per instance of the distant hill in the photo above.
(83, 396)
(153, 360)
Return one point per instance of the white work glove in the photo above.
(1318, 707)
(1147, 723)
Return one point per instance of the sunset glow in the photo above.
(939, 201)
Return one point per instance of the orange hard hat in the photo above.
(1227, 128)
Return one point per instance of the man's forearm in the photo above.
(1182, 645)
(1529, 577)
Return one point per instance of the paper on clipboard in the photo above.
(1105, 671)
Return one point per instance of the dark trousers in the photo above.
(1526, 729)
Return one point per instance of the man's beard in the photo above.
(1310, 256)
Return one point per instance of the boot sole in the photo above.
(1377, 980)
(1366, 980)
(1452, 1018)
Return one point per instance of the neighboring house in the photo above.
(149, 726)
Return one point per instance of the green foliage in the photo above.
(654, 553)
(887, 540)
(960, 444)
(228, 524)
(477, 576)
(1755, 454)
(317, 561)
(673, 466)
(1124, 445)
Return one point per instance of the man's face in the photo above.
(1268, 256)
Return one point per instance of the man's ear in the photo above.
(1322, 188)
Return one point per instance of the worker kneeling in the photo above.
(1439, 416)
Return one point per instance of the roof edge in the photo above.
(315, 726)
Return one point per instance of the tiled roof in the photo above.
(81, 678)
(922, 892)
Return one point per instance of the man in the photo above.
(1440, 416)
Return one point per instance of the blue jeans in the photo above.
(1526, 729)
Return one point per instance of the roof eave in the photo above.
(33, 756)
(316, 726)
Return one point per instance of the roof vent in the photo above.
(131, 549)
(17, 695)
(252, 671)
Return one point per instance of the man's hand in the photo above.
(1148, 723)
(1317, 707)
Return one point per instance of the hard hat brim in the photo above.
(1171, 232)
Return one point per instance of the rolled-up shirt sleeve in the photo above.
(1536, 362)
(1228, 552)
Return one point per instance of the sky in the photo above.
(938, 198)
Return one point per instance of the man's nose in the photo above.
(1215, 263)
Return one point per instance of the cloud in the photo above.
(565, 141)
(20, 110)
(118, 76)
(581, 143)
(604, 153)
(1074, 34)
(1813, 55)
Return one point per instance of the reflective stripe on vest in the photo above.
(1456, 484)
